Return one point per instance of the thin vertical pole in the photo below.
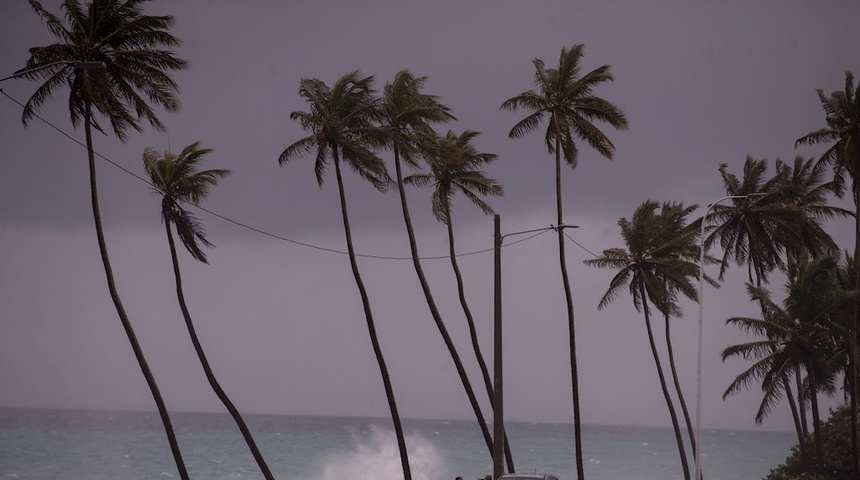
(498, 411)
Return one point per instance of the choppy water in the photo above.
(96, 445)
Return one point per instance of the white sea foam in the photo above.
(378, 457)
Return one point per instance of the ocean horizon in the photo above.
(48, 444)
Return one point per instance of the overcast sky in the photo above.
(702, 83)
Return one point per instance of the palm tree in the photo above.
(656, 265)
(406, 111)
(683, 241)
(455, 166)
(338, 115)
(129, 43)
(842, 116)
(177, 180)
(747, 228)
(796, 336)
(567, 100)
(806, 195)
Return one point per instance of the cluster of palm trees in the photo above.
(348, 123)
(774, 223)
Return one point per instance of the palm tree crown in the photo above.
(455, 167)
(176, 179)
(770, 216)
(842, 110)
(661, 257)
(406, 111)
(338, 120)
(568, 100)
(127, 42)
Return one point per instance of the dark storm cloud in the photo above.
(701, 83)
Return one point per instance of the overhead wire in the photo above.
(270, 234)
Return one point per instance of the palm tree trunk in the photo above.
(798, 423)
(574, 378)
(672, 414)
(434, 312)
(816, 420)
(371, 327)
(461, 291)
(120, 310)
(801, 402)
(690, 431)
(204, 362)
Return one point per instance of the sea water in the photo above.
(100, 445)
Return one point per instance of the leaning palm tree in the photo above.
(567, 100)
(654, 267)
(455, 166)
(682, 240)
(338, 115)
(842, 116)
(178, 181)
(405, 112)
(135, 77)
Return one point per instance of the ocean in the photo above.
(99, 445)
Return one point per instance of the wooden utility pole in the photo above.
(498, 411)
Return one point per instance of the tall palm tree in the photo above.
(338, 115)
(796, 336)
(178, 181)
(407, 111)
(682, 240)
(567, 101)
(654, 267)
(455, 166)
(842, 116)
(134, 48)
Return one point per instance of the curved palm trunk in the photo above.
(461, 291)
(434, 312)
(690, 431)
(577, 421)
(204, 362)
(120, 310)
(371, 327)
(672, 414)
(798, 426)
(801, 401)
(797, 411)
(816, 420)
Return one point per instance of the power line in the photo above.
(258, 230)
(580, 245)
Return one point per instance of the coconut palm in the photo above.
(134, 49)
(657, 264)
(178, 181)
(842, 116)
(407, 111)
(455, 166)
(747, 228)
(795, 336)
(338, 115)
(682, 240)
(567, 101)
(806, 196)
